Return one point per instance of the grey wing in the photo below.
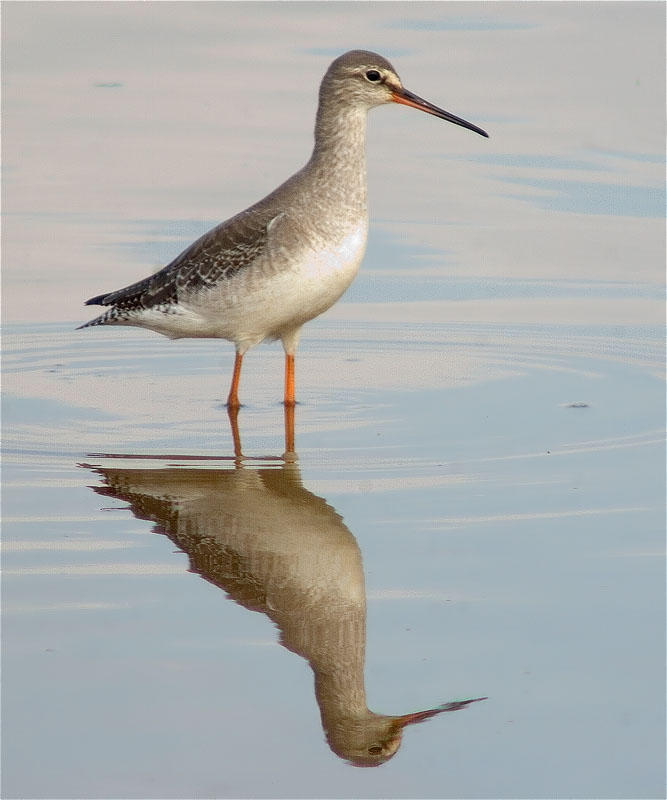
(216, 256)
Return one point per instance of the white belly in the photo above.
(278, 297)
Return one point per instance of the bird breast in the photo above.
(322, 272)
(332, 266)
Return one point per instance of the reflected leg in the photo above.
(289, 429)
(233, 414)
(233, 398)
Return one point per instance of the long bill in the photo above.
(420, 716)
(406, 98)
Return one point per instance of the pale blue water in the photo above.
(510, 545)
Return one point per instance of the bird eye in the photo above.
(375, 750)
(373, 75)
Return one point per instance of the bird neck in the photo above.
(338, 162)
(336, 656)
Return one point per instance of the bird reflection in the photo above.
(274, 547)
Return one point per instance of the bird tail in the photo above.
(108, 318)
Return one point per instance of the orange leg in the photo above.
(289, 380)
(233, 399)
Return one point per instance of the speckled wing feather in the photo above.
(210, 557)
(216, 256)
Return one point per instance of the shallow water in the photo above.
(476, 509)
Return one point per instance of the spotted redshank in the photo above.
(282, 262)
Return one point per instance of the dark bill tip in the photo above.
(406, 98)
(420, 716)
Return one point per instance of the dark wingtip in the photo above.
(97, 301)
